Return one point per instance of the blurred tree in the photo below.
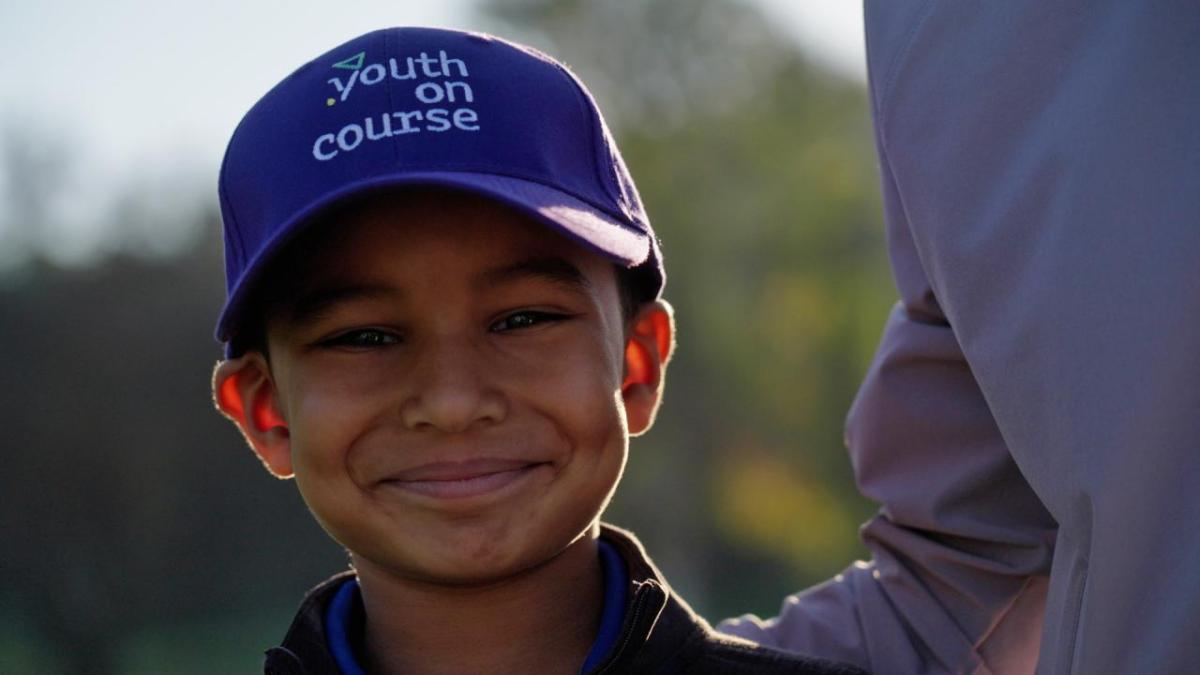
(128, 503)
(33, 167)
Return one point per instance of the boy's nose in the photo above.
(450, 391)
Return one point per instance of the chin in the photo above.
(488, 556)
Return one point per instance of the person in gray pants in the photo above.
(1034, 406)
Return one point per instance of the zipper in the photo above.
(639, 606)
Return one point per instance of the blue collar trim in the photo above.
(337, 618)
(616, 588)
(347, 602)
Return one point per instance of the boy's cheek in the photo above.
(325, 427)
(335, 389)
(580, 366)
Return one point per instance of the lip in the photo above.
(458, 480)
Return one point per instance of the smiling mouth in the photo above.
(459, 480)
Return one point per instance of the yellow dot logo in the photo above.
(329, 101)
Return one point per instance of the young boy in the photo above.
(444, 321)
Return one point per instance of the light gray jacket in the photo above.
(1036, 395)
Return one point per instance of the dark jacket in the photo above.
(659, 634)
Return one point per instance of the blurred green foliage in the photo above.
(150, 536)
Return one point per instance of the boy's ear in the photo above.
(244, 391)
(648, 348)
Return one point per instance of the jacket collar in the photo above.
(655, 626)
(304, 650)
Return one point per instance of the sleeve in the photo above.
(962, 546)
(1041, 166)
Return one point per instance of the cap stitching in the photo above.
(239, 248)
(387, 53)
(589, 113)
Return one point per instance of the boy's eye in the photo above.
(525, 319)
(366, 338)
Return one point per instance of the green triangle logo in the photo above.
(353, 63)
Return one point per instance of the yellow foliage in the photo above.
(763, 503)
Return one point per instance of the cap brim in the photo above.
(590, 226)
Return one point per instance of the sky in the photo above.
(140, 87)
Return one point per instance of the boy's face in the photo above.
(447, 388)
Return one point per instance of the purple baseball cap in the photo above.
(425, 106)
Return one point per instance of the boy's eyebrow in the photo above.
(553, 269)
(313, 304)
